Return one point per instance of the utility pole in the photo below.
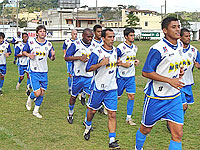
(96, 13)
(17, 14)
(3, 18)
(165, 7)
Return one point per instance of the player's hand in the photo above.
(136, 62)
(31, 56)
(104, 61)
(83, 58)
(119, 62)
(197, 65)
(176, 83)
(7, 54)
(53, 55)
(181, 72)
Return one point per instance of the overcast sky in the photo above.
(155, 5)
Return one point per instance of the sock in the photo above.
(130, 105)
(83, 94)
(39, 100)
(140, 139)
(71, 109)
(36, 108)
(32, 96)
(69, 82)
(88, 124)
(86, 115)
(112, 137)
(175, 145)
(1, 83)
(19, 80)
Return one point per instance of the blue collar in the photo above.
(41, 43)
(73, 40)
(108, 51)
(98, 41)
(86, 45)
(1, 43)
(186, 49)
(128, 45)
(170, 44)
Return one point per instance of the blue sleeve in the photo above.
(9, 49)
(152, 61)
(92, 61)
(50, 52)
(198, 57)
(26, 48)
(71, 50)
(17, 50)
(13, 41)
(64, 46)
(119, 53)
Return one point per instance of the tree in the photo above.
(184, 23)
(132, 20)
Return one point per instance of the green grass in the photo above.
(19, 129)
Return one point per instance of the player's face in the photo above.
(98, 33)
(186, 38)
(25, 38)
(87, 37)
(74, 35)
(173, 31)
(109, 39)
(130, 37)
(1, 39)
(41, 33)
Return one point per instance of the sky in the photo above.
(154, 5)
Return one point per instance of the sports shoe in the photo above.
(1, 93)
(28, 92)
(36, 114)
(70, 118)
(86, 134)
(130, 122)
(114, 145)
(84, 123)
(83, 96)
(136, 148)
(28, 103)
(17, 86)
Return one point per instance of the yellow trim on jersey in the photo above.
(163, 98)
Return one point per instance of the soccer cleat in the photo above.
(84, 123)
(130, 122)
(86, 134)
(137, 149)
(28, 92)
(70, 118)
(28, 103)
(36, 114)
(17, 86)
(1, 93)
(114, 145)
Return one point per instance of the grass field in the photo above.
(19, 129)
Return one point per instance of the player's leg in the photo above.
(21, 76)
(40, 95)
(2, 74)
(28, 85)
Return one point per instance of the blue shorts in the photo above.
(155, 110)
(127, 83)
(22, 69)
(80, 83)
(107, 98)
(38, 80)
(187, 95)
(3, 70)
(69, 67)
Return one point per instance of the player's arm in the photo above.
(17, 52)
(70, 54)
(93, 63)
(119, 62)
(197, 60)
(52, 54)
(149, 70)
(64, 49)
(8, 53)
(27, 51)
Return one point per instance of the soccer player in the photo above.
(38, 50)
(5, 51)
(97, 40)
(103, 61)
(162, 92)
(15, 41)
(126, 53)
(191, 58)
(22, 63)
(79, 53)
(66, 45)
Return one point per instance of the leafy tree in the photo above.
(132, 20)
(184, 23)
(22, 23)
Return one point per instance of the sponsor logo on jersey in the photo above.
(165, 49)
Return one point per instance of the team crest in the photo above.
(99, 51)
(193, 50)
(3, 46)
(190, 55)
(165, 49)
(124, 47)
(46, 48)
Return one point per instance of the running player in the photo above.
(162, 92)
(79, 53)
(126, 53)
(103, 61)
(15, 41)
(5, 51)
(38, 50)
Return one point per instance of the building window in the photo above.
(111, 24)
(146, 23)
(45, 23)
(69, 22)
(116, 25)
(90, 22)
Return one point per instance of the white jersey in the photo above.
(16, 40)
(79, 48)
(19, 49)
(41, 52)
(67, 43)
(127, 54)
(105, 76)
(189, 56)
(169, 66)
(4, 48)
(97, 43)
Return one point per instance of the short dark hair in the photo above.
(128, 30)
(184, 30)
(96, 27)
(2, 35)
(167, 21)
(86, 29)
(40, 27)
(103, 33)
(24, 34)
